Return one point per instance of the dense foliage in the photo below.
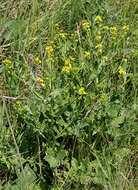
(68, 89)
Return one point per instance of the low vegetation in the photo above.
(68, 95)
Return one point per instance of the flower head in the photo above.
(86, 25)
(105, 58)
(87, 54)
(124, 60)
(113, 30)
(71, 58)
(106, 27)
(99, 47)
(49, 50)
(6, 61)
(66, 69)
(98, 38)
(98, 19)
(37, 60)
(126, 27)
(81, 91)
(121, 71)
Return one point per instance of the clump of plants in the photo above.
(68, 111)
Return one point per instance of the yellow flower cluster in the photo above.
(121, 71)
(126, 27)
(6, 61)
(8, 64)
(105, 58)
(66, 69)
(87, 54)
(86, 25)
(98, 19)
(37, 60)
(49, 50)
(106, 27)
(57, 26)
(113, 30)
(124, 60)
(62, 35)
(81, 91)
(41, 82)
(99, 47)
(98, 38)
(71, 58)
(68, 66)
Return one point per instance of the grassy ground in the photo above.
(68, 95)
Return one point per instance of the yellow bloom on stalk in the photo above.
(87, 54)
(42, 85)
(98, 19)
(67, 62)
(37, 60)
(105, 58)
(121, 71)
(124, 60)
(71, 58)
(49, 50)
(126, 27)
(57, 25)
(98, 38)
(51, 42)
(113, 30)
(99, 47)
(81, 91)
(62, 35)
(40, 80)
(6, 61)
(106, 27)
(66, 69)
(86, 25)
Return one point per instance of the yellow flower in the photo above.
(51, 42)
(71, 58)
(98, 19)
(86, 25)
(62, 35)
(65, 69)
(87, 54)
(18, 102)
(126, 27)
(113, 30)
(37, 60)
(98, 38)
(42, 85)
(105, 58)
(40, 80)
(74, 87)
(49, 50)
(67, 62)
(124, 60)
(6, 61)
(106, 27)
(57, 25)
(81, 91)
(99, 47)
(121, 71)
